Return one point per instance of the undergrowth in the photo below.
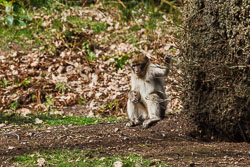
(82, 158)
(51, 120)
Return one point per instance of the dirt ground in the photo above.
(165, 141)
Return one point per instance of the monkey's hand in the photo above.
(134, 96)
(167, 59)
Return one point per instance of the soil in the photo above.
(166, 141)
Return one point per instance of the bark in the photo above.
(216, 67)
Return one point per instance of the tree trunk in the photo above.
(216, 66)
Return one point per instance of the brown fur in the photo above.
(139, 59)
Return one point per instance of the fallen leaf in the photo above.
(38, 121)
(11, 147)
(41, 161)
(117, 164)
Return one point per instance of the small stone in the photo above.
(91, 114)
(41, 161)
(11, 147)
(2, 125)
(117, 164)
(38, 121)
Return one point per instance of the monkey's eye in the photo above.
(136, 65)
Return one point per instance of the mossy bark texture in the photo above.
(216, 67)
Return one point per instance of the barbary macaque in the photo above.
(147, 98)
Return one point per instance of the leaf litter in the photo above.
(74, 72)
(79, 62)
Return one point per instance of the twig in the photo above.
(122, 4)
(164, 1)
(14, 134)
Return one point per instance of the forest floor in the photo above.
(166, 142)
(77, 55)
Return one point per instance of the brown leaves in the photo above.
(76, 63)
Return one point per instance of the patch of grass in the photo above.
(151, 24)
(89, 52)
(12, 34)
(25, 83)
(52, 120)
(77, 21)
(120, 61)
(34, 32)
(14, 105)
(4, 83)
(20, 36)
(131, 38)
(110, 107)
(62, 87)
(135, 28)
(49, 102)
(98, 26)
(82, 158)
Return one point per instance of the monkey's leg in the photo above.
(156, 110)
(136, 113)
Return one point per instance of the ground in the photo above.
(166, 141)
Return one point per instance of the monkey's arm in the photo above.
(159, 71)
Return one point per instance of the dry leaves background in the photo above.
(83, 62)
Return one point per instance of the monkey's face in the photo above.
(139, 64)
(137, 68)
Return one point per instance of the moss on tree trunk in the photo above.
(216, 66)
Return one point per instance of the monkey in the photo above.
(146, 103)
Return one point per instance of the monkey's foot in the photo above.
(147, 123)
(130, 124)
(133, 123)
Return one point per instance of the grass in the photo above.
(52, 120)
(78, 23)
(62, 158)
(35, 30)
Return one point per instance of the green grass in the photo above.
(38, 34)
(64, 158)
(74, 120)
(52, 120)
(76, 20)
(33, 29)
